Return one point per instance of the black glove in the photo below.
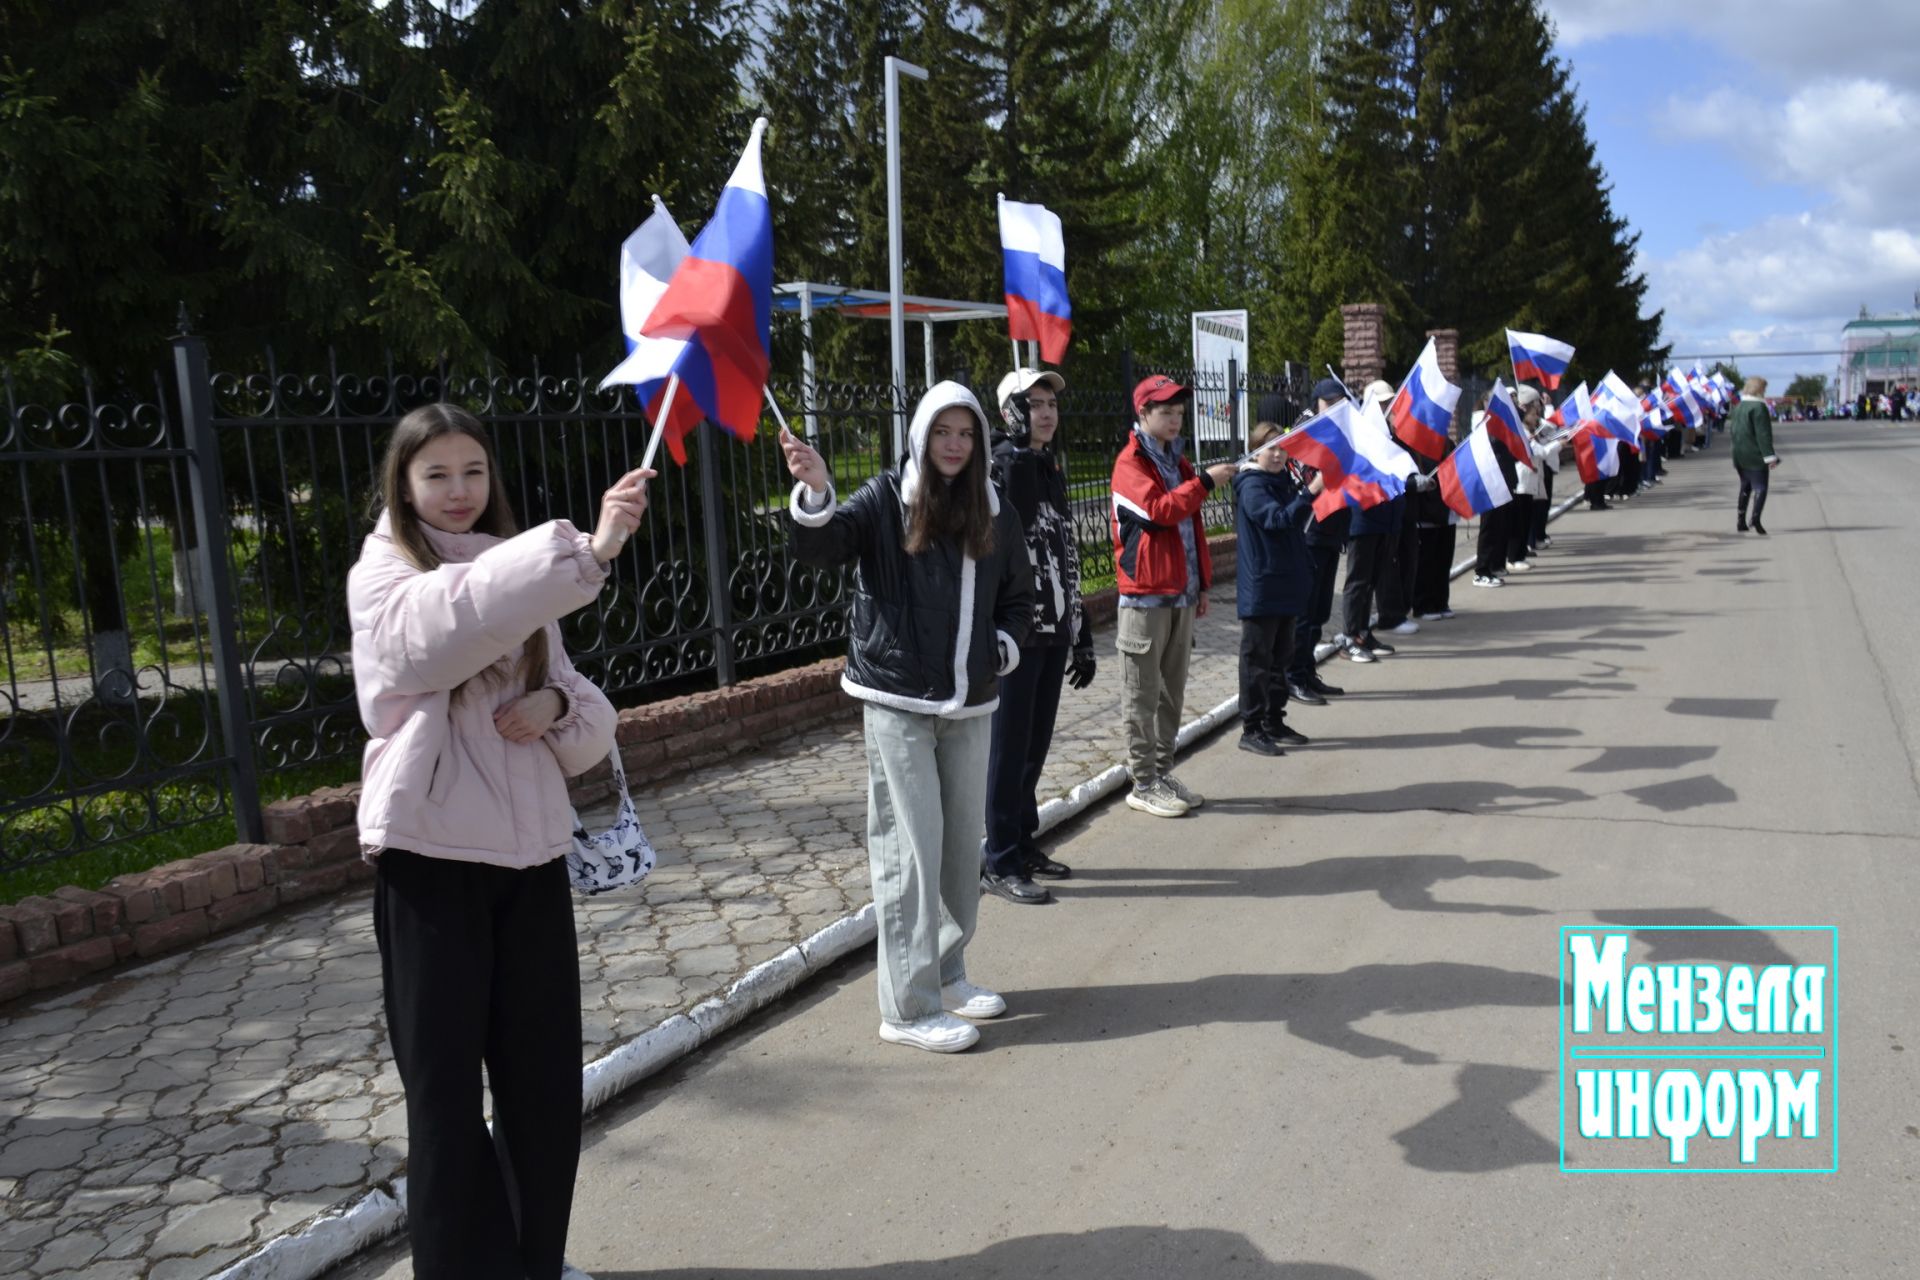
(1019, 418)
(1080, 670)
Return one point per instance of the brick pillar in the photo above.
(1366, 357)
(1446, 349)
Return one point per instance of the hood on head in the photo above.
(943, 395)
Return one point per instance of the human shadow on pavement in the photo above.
(1104, 1253)
(1321, 1008)
(1404, 882)
(1684, 793)
(1499, 737)
(1696, 933)
(1520, 690)
(1443, 797)
(1724, 708)
(1478, 1132)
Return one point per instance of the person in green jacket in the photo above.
(1750, 428)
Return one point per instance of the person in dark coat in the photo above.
(1274, 582)
(1326, 537)
(1058, 648)
(1750, 429)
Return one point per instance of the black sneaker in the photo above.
(1261, 745)
(1014, 888)
(1374, 645)
(1758, 527)
(1289, 735)
(1305, 693)
(1321, 687)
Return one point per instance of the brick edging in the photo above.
(312, 845)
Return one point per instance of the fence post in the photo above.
(719, 563)
(210, 514)
(1236, 438)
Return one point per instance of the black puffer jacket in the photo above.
(930, 633)
(1032, 480)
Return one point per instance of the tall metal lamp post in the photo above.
(896, 270)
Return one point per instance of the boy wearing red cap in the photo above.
(1160, 555)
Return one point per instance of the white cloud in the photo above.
(1798, 39)
(1787, 269)
(1846, 137)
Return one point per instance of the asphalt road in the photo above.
(1311, 1031)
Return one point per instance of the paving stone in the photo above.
(324, 1164)
(225, 1222)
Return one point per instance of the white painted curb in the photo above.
(338, 1234)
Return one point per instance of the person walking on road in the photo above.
(1750, 429)
(1274, 579)
(475, 720)
(1161, 560)
(942, 601)
(1058, 649)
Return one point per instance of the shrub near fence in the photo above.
(173, 602)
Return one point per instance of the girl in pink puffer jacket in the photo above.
(475, 720)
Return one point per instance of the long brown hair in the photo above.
(412, 433)
(956, 508)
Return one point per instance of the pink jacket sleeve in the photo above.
(583, 735)
(432, 631)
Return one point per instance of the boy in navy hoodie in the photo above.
(1274, 586)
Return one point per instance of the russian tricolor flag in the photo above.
(1680, 397)
(1033, 253)
(1503, 424)
(1618, 409)
(1332, 443)
(1423, 410)
(648, 259)
(720, 303)
(1538, 357)
(1652, 421)
(1597, 451)
(1470, 479)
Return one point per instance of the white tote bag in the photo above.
(615, 858)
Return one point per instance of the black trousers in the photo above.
(1676, 442)
(1266, 644)
(1022, 734)
(1520, 526)
(1433, 585)
(1306, 631)
(479, 964)
(1395, 596)
(1490, 553)
(1367, 563)
(1542, 508)
(1628, 481)
(1597, 493)
(1753, 484)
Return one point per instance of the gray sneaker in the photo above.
(1192, 799)
(1156, 799)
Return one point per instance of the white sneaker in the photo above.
(570, 1272)
(1191, 799)
(939, 1033)
(1156, 800)
(1519, 566)
(1324, 650)
(1407, 628)
(1484, 581)
(1444, 613)
(1358, 652)
(971, 1001)
(1546, 539)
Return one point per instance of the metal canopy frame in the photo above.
(805, 297)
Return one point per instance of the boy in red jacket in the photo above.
(1160, 552)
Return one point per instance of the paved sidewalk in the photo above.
(176, 1117)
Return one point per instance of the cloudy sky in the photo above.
(1768, 153)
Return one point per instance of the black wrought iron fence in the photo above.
(173, 605)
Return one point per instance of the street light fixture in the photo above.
(896, 270)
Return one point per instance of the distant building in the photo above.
(1880, 353)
